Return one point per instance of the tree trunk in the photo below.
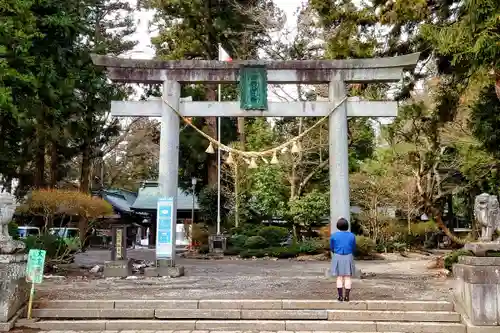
(54, 166)
(40, 160)
(442, 226)
(85, 170)
(212, 132)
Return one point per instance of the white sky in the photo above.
(145, 50)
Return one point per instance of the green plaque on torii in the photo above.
(253, 87)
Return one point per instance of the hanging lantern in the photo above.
(265, 160)
(210, 149)
(229, 159)
(253, 164)
(295, 148)
(274, 160)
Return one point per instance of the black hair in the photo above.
(342, 224)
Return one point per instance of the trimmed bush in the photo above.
(284, 252)
(238, 240)
(250, 253)
(57, 249)
(365, 246)
(13, 229)
(311, 246)
(256, 242)
(274, 235)
(204, 249)
(199, 235)
(233, 251)
(452, 258)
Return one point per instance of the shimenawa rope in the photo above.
(253, 153)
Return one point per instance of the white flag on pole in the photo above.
(223, 55)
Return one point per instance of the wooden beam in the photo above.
(355, 108)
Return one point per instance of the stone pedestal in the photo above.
(480, 249)
(217, 244)
(117, 268)
(477, 291)
(14, 291)
(164, 268)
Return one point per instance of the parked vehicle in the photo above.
(25, 231)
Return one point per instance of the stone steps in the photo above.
(247, 304)
(208, 314)
(246, 315)
(244, 325)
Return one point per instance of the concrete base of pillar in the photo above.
(477, 290)
(118, 268)
(173, 272)
(14, 290)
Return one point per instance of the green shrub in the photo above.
(12, 229)
(233, 251)
(365, 246)
(284, 252)
(238, 240)
(274, 235)
(204, 249)
(452, 258)
(311, 246)
(256, 242)
(56, 247)
(250, 253)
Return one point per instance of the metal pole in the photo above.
(218, 162)
(192, 208)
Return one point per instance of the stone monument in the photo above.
(120, 265)
(13, 288)
(477, 291)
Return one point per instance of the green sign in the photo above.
(36, 264)
(253, 87)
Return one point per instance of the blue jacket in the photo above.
(343, 242)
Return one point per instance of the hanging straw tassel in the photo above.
(253, 164)
(210, 149)
(295, 148)
(274, 160)
(230, 159)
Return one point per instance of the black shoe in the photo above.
(346, 298)
(341, 298)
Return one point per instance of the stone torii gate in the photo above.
(337, 73)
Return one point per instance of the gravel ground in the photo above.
(393, 278)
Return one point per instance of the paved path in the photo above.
(253, 279)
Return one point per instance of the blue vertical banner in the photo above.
(165, 228)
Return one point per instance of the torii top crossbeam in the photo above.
(278, 72)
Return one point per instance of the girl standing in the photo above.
(343, 245)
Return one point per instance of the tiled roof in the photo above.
(149, 193)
